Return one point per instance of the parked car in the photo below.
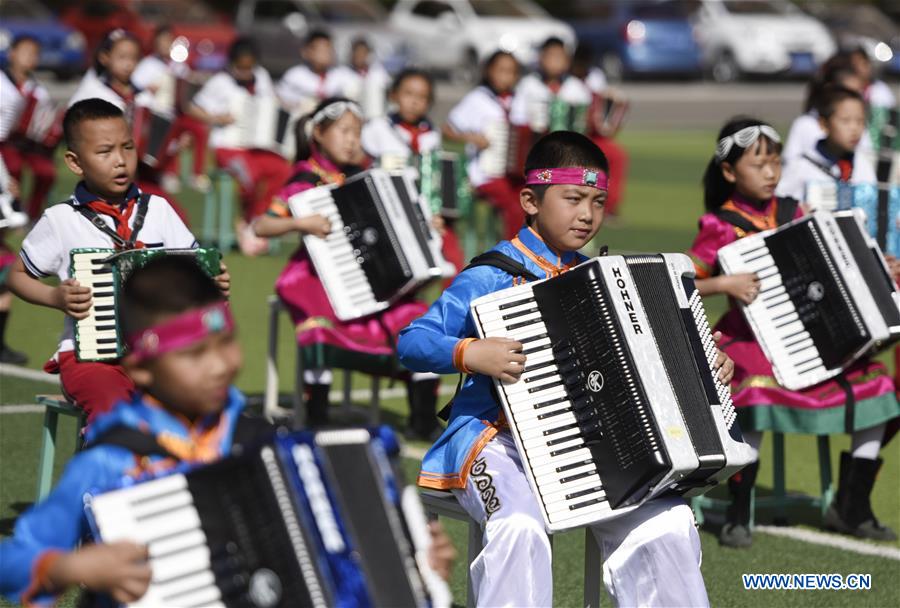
(200, 31)
(280, 26)
(761, 37)
(455, 35)
(62, 48)
(636, 37)
(862, 25)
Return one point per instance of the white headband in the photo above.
(744, 138)
(332, 111)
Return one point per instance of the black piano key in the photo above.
(584, 504)
(571, 448)
(521, 324)
(534, 366)
(543, 387)
(554, 413)
(539, 377)
(534, 349)
(560, 440)
(578, 476)
(574, 465)
(581, 493)
(550, 402)
(560, 429)
(520, 313)
(516, 303)
(533, 338)
(105, 307)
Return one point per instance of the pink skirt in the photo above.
(302, 293)
(763, 404)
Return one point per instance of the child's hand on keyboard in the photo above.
(119, 569)
(500, 358)
(73, 299)
(743, 287)
(316, 225)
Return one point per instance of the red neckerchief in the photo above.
(120, 216)
(414, 132)
(320, 88)
(846, 167)
(31, 102)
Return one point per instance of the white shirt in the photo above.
(218, 94)
(473, 114)
(161, 76)
(12, 102)
(390, 143)
(93, 86)
(809, 170)
(596, 81)
(369, 90)
(879, 94)
(302, 89)
(47, 249)
(532, 100)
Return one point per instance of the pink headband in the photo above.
(183, 330)
(575, 176)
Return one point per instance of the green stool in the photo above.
(54, 405)
(218, 212)
(779, 501)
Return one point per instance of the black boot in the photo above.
(736, 531)
(317, 404)
(423, 422)
(851, 510)
(8, 355)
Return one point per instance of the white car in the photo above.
(759, 37)
(455, 35)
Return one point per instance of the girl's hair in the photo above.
(241, 46)
(489, 63)
(304, 140)
(407, 73)
(716, 189)
(564, 149)
(110, 40)
(163, 28)
(835, 69)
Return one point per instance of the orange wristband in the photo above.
(459, 352)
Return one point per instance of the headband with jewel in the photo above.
(181, 331)
(576, 176)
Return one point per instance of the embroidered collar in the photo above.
(327, 171)
(764, 217)
(530, 243)
(83, 196)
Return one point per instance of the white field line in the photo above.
(831, 540)
(29, 374)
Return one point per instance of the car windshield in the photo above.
(347, 11)
(161, 11)
(16, 9)
(503, 8)
(756, 7)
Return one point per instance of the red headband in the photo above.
(180, 331)
(575, 176)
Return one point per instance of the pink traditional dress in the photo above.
(861, 397)
(365, 344)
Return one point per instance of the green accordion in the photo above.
(883, 125)
(444, 183)
(98, 336)
(568, 117)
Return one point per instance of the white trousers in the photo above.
(651, 557)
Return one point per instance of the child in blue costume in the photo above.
(184, 358)
(651, 555)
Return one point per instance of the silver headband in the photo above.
(744, 138)
(332, 112)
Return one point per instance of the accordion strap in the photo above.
(787, 207)
(94, 218)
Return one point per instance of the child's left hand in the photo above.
(893, 265)
(724, 363)
(441, 554)
(223, 280)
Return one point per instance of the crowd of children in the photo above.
(179, 391)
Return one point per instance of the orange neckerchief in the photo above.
(760, 222)
(328, 177)
(201, 444)
(543, 263)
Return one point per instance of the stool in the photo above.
(217, 227)
(438, 503)
(54, 405)
(271, 409)
(779, 501)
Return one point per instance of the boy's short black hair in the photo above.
(833, 95)
(24, 37)
(242, 45)
(407, 73)
(165, 286)
(551, 42)
(316, 34)
(359, 41)
(93, 108)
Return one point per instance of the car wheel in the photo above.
(467, 72)
(725, 68)
(613, 67)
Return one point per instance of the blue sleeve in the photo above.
(427, 344)
(56, 524)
